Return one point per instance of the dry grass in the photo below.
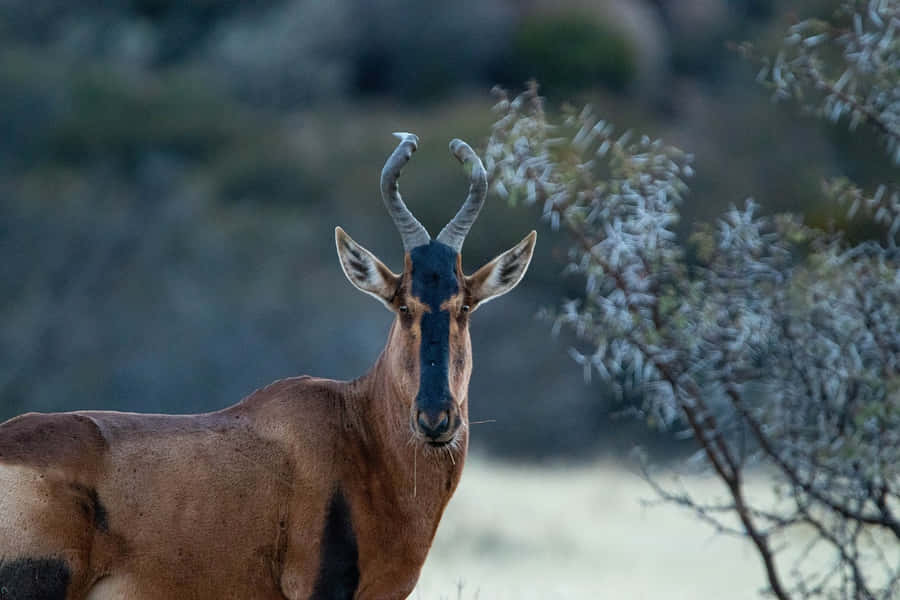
(564, 532)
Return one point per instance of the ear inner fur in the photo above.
(502, 274)
(364, 270)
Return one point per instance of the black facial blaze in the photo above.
(433, 283)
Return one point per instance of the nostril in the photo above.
(433, 425)
(423, 421)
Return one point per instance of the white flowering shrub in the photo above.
(863, 85)
(776, 344)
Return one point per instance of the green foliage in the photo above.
(571, 52)
(109, 116)
(266, 173)
(100, 115)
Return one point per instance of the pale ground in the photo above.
(557, 532)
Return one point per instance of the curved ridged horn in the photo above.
(411, 231)
(454, 234)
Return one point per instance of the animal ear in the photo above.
(364, 270)
(501, 274)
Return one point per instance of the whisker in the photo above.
(484, 421)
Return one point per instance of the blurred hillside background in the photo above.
(171, 173)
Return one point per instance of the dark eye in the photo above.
(404, 308)
(465, 308)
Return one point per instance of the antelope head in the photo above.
(429, 352)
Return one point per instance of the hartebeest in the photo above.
(308, 488)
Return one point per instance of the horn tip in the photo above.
(405, 136)
(461, 150)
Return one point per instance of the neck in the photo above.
(423, 474)
(395, 486)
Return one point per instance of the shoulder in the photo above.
(306, 405)
(297, 389)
